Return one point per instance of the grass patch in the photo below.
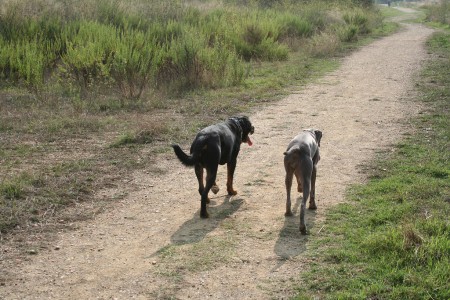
(146, 135)
(392, 239)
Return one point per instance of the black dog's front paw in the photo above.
(204, 215)
(232, 192)
(215, 189)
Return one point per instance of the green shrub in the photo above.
(11, 190)
(29, 47)
(5, 62)
(30, 63)
(347, 33)
(89, 54)
(293, 26)
(257, 42)
(439, 12)
(24, 62)
(359, 19)
(196, 62)
(222, 67)
(324, 44)
(163, 33)
(14, 25)
(316, 14)
(134, 63)
(180, 64)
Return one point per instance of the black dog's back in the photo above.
(204, 146)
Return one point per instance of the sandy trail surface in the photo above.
(153, 244)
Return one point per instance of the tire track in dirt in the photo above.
(153, 245)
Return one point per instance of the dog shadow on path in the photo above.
(291, 242)
(195, 229)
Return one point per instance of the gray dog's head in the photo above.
(316, 133)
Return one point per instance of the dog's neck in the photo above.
(235, 121)
(312, 133)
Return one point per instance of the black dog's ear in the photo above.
(318, 134)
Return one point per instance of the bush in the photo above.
(259, 43)
(293, 26)
(194, 62)
(357, 19)
(439, 12)
(89, 54)
(29, 47)
(134, 62)
(324, 44)
(24, 62)
(347, 33)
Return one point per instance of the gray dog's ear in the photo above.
(318, 134)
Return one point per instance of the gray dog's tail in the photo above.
(292, 149)
(187, 160)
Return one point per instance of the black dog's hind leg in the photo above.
(211, 174)
(211, 163)
(199, 174)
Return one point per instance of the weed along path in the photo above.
(153, 244)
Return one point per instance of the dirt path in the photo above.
(153, 245)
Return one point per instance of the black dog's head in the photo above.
(247, 128)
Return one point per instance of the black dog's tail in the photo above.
(187, 160)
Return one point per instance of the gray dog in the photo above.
(301, 158)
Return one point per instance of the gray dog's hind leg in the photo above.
(298, 175)
(307, 169)
(312, 196)
(288, 182)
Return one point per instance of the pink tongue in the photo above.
(249, 141)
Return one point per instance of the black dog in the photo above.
(214, 145)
